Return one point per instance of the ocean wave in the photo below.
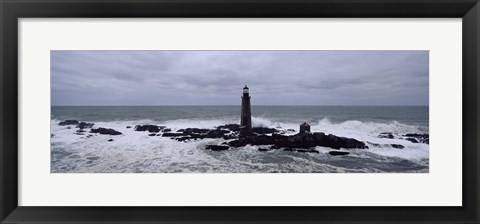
(137, 152)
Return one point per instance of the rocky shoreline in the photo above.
(268, 138)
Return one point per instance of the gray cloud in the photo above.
(217, 77)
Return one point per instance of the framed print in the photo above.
(250, 112)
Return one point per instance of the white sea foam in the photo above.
(135, 151)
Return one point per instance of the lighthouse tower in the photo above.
(246, 115)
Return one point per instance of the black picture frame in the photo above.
(12, 10)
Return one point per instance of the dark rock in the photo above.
(83, 125)
(386, 135)
(148, 127)
(412, 140)
(68, 122)
(308, 150)
(110, 140)
(80, 130)
(231, 127)
(336, 142)
(420, 138)
(69, 127)
(302, 140)
(129, 126)
(152, 134)
(397, 146)
(172, 134)
(193, 131)
(264, 149)
(260, 130)
(217, 147)
(237, 143)
(338, 153)
(167, 130)
(416, 135)
(291, 130)
(105, 131)
(216, 133)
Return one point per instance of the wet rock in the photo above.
(338, 153)
(68, 122)
(152, 134)
(148, 127)
(386, 135)
(237, 143)
(167, 130)
(302, 140)
(105, 131)
(216, 133)
(308, 150)
(193, 131)
(411, 140)
(83, 125)
(217, 147)
(110, 140)
(231, 127)
(264, 149)
(397, 146)
(420, 138)
(261, 130)
(172, 134)
(129, 126)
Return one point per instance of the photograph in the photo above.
(239, 111)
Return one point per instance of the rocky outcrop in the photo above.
(397, 146)
(150, 128)
(304, 141)
(231, 127)
(261, 130)
(172, 134)
(105, 131)
(338, 153)
(417, 138)
(69, 122)
(217, 147)
(386, 135)
(83, 125)
(411, 137)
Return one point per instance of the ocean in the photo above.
(136, 152)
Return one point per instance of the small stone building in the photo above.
(304, 127)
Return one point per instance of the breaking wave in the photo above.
(137, 152)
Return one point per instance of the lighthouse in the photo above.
(246, 114)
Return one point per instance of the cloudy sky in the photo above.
(217, 77)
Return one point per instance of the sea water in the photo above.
(136, 152)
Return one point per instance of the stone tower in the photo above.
(246, 114)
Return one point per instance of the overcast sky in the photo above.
(217, 77)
